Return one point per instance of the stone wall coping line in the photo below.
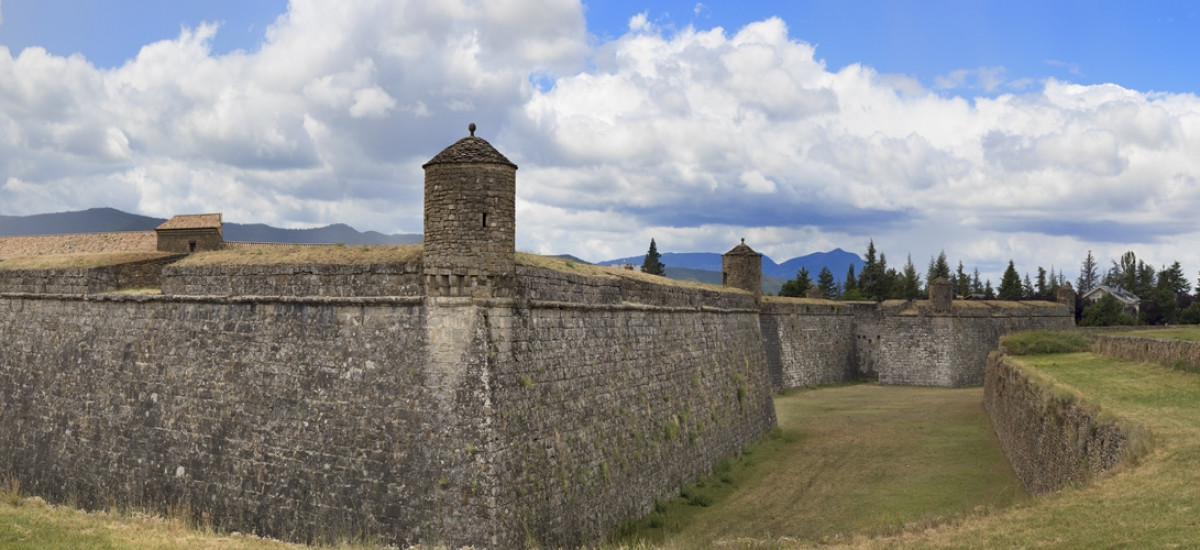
(628, 306)
(141, 298)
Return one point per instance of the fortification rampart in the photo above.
(389, 279)
(78, 281)
(609, 404)
(813, 342)
(1051, 441)
(452, 420)
(810, 342)
(1154, 350)
(288, 417)
(460, 398)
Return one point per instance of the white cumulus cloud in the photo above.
(695, 137)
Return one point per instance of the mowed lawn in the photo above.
(861, 459)
(878, 467)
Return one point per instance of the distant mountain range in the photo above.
(706, 266)
(103, 220)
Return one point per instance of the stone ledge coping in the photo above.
(629, 306)
(172, 298)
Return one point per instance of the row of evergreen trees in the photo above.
(877, 281)
(1166, 294)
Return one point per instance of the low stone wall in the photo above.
(393, 279)
(141, 274)
(1051, 441)
(1176, 353)
(541, 285)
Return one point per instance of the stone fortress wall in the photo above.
(462, 423)
(459, 399)
(811, 342)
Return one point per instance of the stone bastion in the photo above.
(457, 396)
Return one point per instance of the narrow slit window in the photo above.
(485, 219)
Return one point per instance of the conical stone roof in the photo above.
(742, 250)
(470, 150)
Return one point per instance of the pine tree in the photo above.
(1042, 290)
(962, 281)
(798, 287)
(1088, 276)
(850, 286)
(910, 283)
(938, 267)
(651, 264)
(827, 284)
(977, 285)
(851, 282)
(870, 279)
(1010, 283)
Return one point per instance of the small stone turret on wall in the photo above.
(741, 268)
(941, 294)
(1066, 295)
(470, 221)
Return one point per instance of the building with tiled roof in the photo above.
(187, 233)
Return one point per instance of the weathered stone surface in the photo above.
(442, 419)
(470, 221)
(143, 274)
(393, 279)
(287, 418)
(1051, 442)
(813, 342)
(605, 406)
(1154, 350)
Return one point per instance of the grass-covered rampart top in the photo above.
(1190, 333)
(1045, 341)
(334, 254)
(78, 261)
(569, 266)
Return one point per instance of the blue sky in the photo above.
(1138, 44)
(993, 130)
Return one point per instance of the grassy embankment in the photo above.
(78, 261)
(1154, 503)
(1189, 333)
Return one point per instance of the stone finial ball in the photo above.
(471, 127)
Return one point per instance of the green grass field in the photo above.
(851, 459)
(1190, 333)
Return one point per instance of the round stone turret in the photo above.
(1066, 295)
(741, 268)
(470, 221)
